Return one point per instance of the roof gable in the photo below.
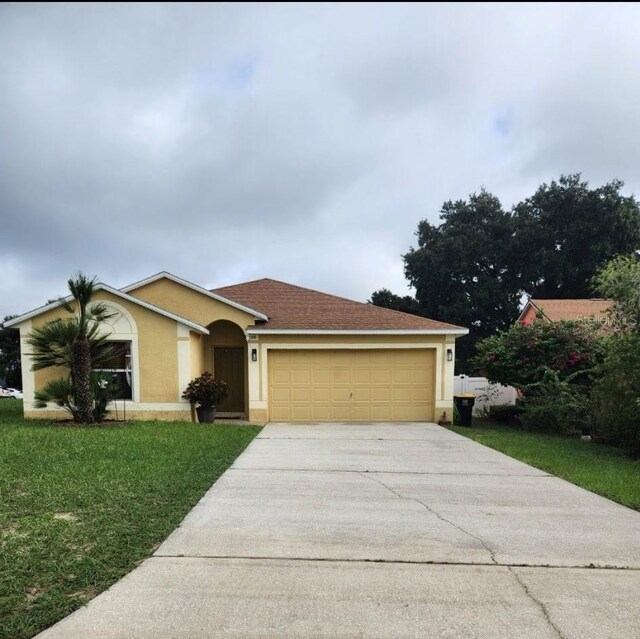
(195, 287)
(296, 309)
(114, 291)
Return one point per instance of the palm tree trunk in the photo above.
(81, 372)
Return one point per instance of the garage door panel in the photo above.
(381, 375)
(421, 376)
(351, 385)
(379, 358)
(322, 413)
(341, 413)
(401, 375)
(281, 413)
(361, 394)
(420, 394)
(381, 413)
(281, 376)
(401, 413)
(282, 395)
(322, 376)
(341, 376)
(361, 376)
(301, 413)
(320, 358)
(381, 394)
(300, 376)
(401, 394)
(340, 394)
(301, 394)
(361, 413)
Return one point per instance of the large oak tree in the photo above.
(473, 268)
(566, 232)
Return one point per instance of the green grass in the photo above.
(82, 506)
(601, 469)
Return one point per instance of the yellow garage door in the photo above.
(351, 385)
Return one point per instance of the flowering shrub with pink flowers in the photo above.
(523, 355)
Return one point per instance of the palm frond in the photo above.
(51, 343)
(56, 391)
(82, 288)
(100, 312)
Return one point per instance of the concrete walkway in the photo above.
(385, 530)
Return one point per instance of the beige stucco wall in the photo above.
(196, 350)
(190, 304)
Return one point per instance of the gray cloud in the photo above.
(301, 142)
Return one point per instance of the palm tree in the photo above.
(75, 343)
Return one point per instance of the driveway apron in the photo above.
(384, 531)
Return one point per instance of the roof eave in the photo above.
(458, 332)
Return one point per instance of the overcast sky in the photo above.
(302, 143)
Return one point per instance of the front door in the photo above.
(229, 367)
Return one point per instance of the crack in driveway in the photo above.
(541, 606)
(373, 560)
(485, 545)
(543, 609)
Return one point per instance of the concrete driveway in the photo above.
(381, 530)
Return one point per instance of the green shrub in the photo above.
(505, 413)
(556, 405)
(616, 394)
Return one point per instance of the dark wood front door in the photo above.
(229, 366)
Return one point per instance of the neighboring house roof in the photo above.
(295, 309)
(114, 291)
(576, 309)
(195, 287)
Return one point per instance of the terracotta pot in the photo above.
(206, 414)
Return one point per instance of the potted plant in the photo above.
(206, 392)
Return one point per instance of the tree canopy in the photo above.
(566, 232)
(619, 280)
(10, 367)
(474, 267)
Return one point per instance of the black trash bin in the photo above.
(464, 404)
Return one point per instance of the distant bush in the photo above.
(616, 394)
(505, 413)
(556, 405)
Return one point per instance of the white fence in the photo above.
(486, 394)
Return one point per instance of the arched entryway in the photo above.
(228, 352)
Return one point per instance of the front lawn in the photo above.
(82, 506)
(602, 469)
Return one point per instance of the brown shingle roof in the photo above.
(556, 310)
(296, 308)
